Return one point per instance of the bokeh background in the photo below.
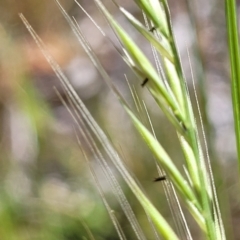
(46, 189)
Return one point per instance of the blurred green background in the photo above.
(46, 189)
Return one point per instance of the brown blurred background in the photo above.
(46, 189)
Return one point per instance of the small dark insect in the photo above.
(144, 82)
(152, 29)
(159, 179)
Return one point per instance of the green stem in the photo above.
(233, 44)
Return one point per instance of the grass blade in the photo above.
(233, 43)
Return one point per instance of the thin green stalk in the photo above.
(233, 43)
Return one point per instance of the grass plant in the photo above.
(195, 190)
